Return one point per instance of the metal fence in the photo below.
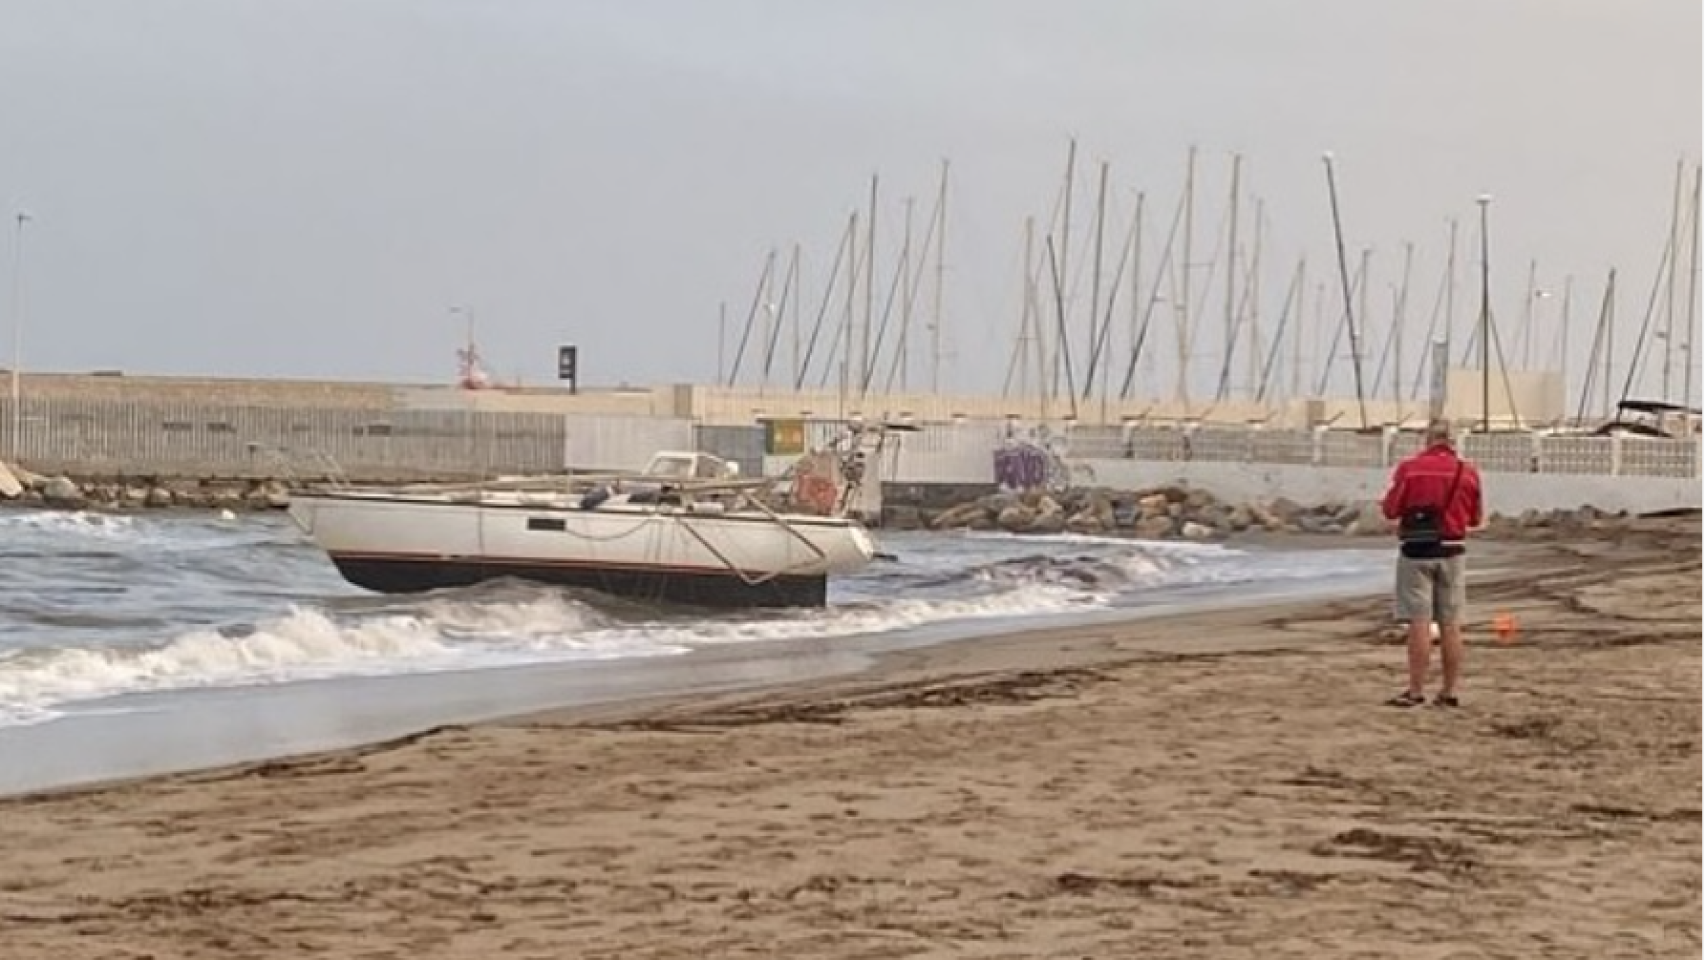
(210, 441)
(213, 441)
(1495, 453)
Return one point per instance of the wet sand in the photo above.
(1215, 785)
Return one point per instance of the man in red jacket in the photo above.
(1435, 500)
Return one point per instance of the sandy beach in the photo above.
(1216, 785)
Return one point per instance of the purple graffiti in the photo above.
(1021, 466)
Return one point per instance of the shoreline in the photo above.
(402, 706)
(1105, 790)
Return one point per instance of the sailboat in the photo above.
(686, 529)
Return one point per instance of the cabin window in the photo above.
(544, 523)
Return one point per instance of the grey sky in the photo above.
(307, 188)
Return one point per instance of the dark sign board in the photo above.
(568, 364)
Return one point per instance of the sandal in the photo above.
(1447, 700)
(1407, 699)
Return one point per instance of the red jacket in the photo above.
(1425, 479)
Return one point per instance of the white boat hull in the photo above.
(401, 544)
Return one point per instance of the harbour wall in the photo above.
(255, 431)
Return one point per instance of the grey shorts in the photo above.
(1431, 589)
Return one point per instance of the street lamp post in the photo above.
(17, 326)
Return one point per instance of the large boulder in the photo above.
(958, 517)
(1016, 518)
(1285, 510)
(1191, 530)
(1152, 505)
(62, 492)
(1050, 518)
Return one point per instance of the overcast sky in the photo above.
(311, 188)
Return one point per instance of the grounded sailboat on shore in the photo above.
(685, 529)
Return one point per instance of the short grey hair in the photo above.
(1439, 431)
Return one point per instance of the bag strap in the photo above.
(1451, 492)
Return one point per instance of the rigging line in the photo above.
(1433, 324)
(822, 311)
(1599, 330)
(1207, 282)
(1279, 330)
(746, 331)
(1162, 269)
(841, 344)
(1106, 326)
(778, 311)
(1241, 317)
(910, 297)
(1637, 361)
(875, 349)
(1026, 281)
(1345, 282)
(1338, 338)
(1060, 322)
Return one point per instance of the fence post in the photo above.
(1617, 455)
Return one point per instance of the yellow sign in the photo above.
(785, 436)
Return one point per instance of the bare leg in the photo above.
(1450, 655)
(1421, 651)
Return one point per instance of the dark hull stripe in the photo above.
(667, 568)
(403, 574)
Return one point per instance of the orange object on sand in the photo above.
(1504, 627)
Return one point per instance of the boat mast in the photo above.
(794, 317)
(846, 365)
(1163, 270)
(1666, 264)
(722, 337)
(751, 315)
(775, 310)
(870, 282)
(1533, 294)
(1600, 345)
(1345, 282)
(1450, 284)
(1265, 379)
(1564, 332)
(1096, 278)
(1230, 322)
(1101, 351)
(1398, 319)
(1065, 354)
(1693, 293)
(1182, 316)
(1486, 323)
(936, 309)
(1253, 299)
(1058, 267)
(804, 366)
(1136, 279)
(1019, 360)
(1295, 387)
(1669, 335)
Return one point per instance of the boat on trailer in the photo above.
(686, 529)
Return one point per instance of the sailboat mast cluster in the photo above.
(1127, 300)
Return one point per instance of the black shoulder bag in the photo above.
(1425, 525)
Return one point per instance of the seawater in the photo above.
(97, 607)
